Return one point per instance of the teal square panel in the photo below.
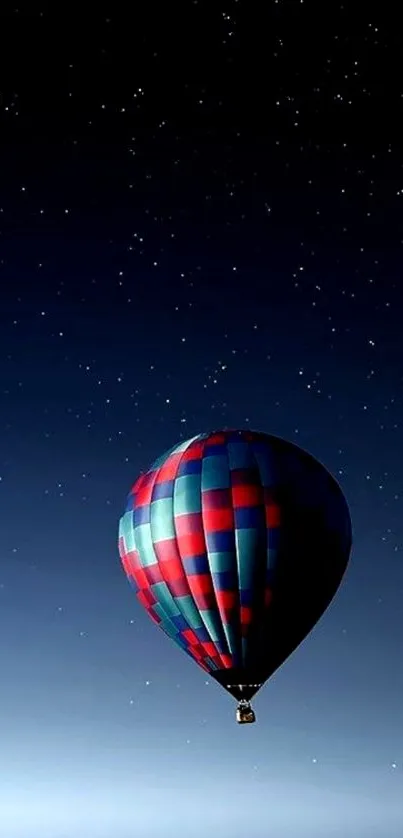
(126, 531)
(187, 494)
(189, 611)
(266, 465)
(144, 545)
(215, 473)
(162, 523)
(272, 555)
(166, 624)
(247, 543)
(165, 598)
(240, 455)
(221, 561)
(212, 622)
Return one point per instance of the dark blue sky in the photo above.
(201, 226)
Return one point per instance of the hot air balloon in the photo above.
(236, 542)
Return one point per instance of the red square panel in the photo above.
(188, 524)
(178, 587)
(226, 599)
(153, 574)
(216, 439)
(247, 495)
(196, 654)
(146, 598)
(169, 469)
(201, 583)
(216, 499)
(194, 452)
(138, 484)
(209, 648)
(140, 577)
(191, 545)
(143, 496)
(172, 569)
(167, 550)
(204, 601)
(217, 520)
(134, 559)
(155, 617)
(246, 615)
(126, 561)
(190, 636)
(273, 515)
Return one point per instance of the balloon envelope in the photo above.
(236, 542)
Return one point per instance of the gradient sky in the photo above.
(201, 226)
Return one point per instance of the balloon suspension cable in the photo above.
(244, 713)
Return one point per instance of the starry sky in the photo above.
(201, 226)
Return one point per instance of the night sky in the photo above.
(201, 227)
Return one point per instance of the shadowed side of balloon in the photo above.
(311, 561)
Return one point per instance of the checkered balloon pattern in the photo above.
(200, 536)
